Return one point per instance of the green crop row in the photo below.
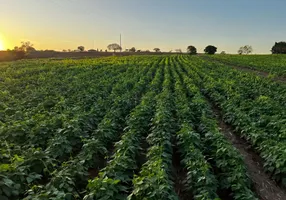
(34, 165)
(154, 180)
(134, 128)
(200, 179)
(259, 116)
(95, 147)
(114, 181)
(228, 164)
(274, 64)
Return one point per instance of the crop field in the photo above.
(139, 128)
(274, 64)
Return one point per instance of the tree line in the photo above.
(278, 48)
(116, 47)
(20, 52)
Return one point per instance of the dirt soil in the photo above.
(264, 186)
(247, 69)
(180, 175)
(92, 173)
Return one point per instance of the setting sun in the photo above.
(1, 45)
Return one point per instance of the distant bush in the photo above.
(80, 48)
(18, 54)
(133, 49)
(50, 51)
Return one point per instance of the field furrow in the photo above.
(154, 180)
(149, 127)
(199, 179)
(254, 110)
(116, 177)
(228, 164)
(96, 146)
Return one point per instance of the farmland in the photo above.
(138, 128)
(274, 64)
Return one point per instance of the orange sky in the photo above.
(168, 24)
(3, 44)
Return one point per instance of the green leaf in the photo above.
(3, 197)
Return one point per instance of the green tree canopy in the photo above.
(192, 50)
(210, 49)
(279, 48)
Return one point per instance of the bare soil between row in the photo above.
(264, 186)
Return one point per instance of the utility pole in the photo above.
(120, 43)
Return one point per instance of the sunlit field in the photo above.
(118, 127)
(142, 100)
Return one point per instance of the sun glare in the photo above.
(1, 45)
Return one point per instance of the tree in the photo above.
(210, 49)
(247, 49)
(192, 50)
(279, 48)
(92, 50)
(26, 47)
(138, 51)
(80, 48)
(114, 47)
(223, 53)
(178, 50)
(157, 50)
(22, 51)
(132, 49)
(18, 54)
(16, 48)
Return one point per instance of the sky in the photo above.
(144, 24)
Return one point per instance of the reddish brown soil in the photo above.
(264, 186)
